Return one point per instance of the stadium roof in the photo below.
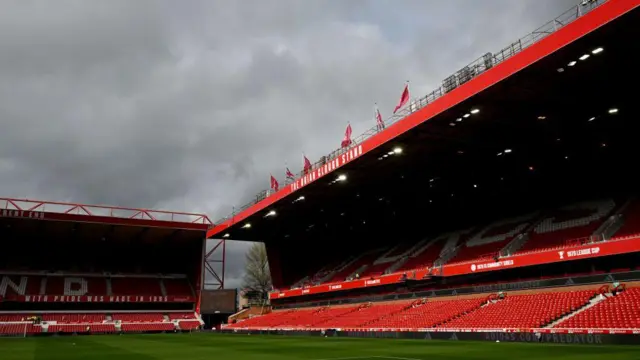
(541, 106)
(100, 222)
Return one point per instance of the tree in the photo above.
(257, 277)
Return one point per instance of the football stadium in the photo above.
(495, 217)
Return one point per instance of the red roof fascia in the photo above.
(604, 14)
(61, 211)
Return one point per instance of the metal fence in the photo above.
(464, 75)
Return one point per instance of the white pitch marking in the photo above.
(352, 358)
(394, 358)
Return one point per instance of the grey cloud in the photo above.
(190, 105)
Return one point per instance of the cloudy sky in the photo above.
(189, 105)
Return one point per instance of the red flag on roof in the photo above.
(347, 137)
(307, 164)
(290, 174)
(403, 99)
(274, 184)
(379, 121)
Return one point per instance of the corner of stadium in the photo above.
(502, 207)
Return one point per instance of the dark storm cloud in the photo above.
(190, 105)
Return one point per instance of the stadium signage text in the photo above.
(492, 265)
(101, 299)
(549, 338)
(22, 214)
(579, 253)
(326, 168)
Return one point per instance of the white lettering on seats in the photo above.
(575, 215)
(74, 286)
(451, 239)
(19, 289)
(501, 230)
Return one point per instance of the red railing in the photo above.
(102, 210)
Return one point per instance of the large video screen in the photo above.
(223, 301)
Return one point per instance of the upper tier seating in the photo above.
(425, 257)
(619, 312)
(177, 287)
(631, 226)
(487, 243)
(141, 286)
(375, 270)
(547, 231)
(365, 259)
(568, 223)
(12, 286)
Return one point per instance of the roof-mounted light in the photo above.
(597, 51)
(271, 213)
(466, 115)
(507, 151)
(584, 57)
(247, 226)
(592, 118)
(475, 111)
(341, 177)
(572, 63)
(613, 111)
(226, 235)
(397, 150)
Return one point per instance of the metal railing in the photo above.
(26, 208)
(462, 76)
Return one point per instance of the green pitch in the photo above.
(245, 347)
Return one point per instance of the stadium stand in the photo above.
(428, 313)
(523, 311)
(615, 312)
(571, 223)
(567, 307)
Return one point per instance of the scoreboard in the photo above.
(219, 301)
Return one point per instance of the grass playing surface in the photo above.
(244, 347)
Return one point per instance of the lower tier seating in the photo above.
(17, 324)
(141, 317)
(141, 327)
(189, 324)
(82, 328)
(523, 311)
(618, 312)
(19, 329)
(428, 314)
(569, 307)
